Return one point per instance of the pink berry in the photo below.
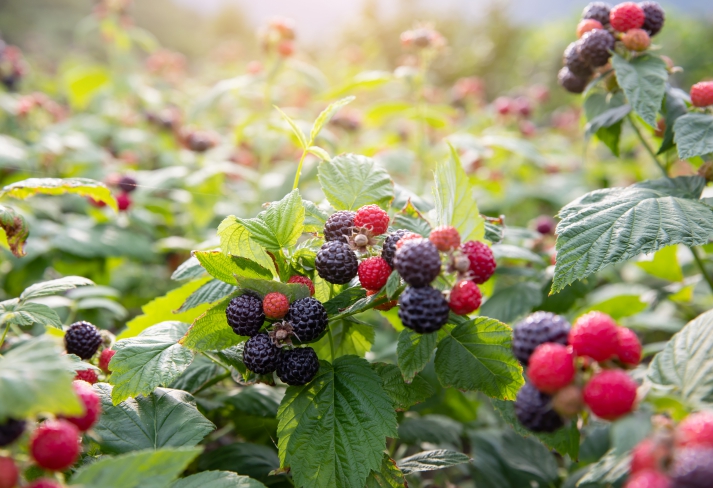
(594, 335)
(445, 238)
(374, 272)
(275, 305)
(303, 280)
(88, 375)
(629, 347)
(105, 359)
(696, 430)
(625, 16)
(92, 406)
(55, 445)
(482, 261)
(465, 298)
(610, 394)
(551, 367)
(648, 479)
(372, 218)
(9, 474)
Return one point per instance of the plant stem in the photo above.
(701, 266)
(299, 169)
(647, 146)
(4, 334)
(331, 343)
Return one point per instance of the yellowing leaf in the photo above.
(58, 186)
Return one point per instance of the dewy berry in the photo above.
(92, 406)
(82, 339)
(55, 445)
(571, 82)
(297, 366)
(245, 315)
(575, 62)
(303, 280)
(610, 394)
(465, 298)
(551, 367)
(88, 375)
(10, 431)
(445, 238)
(628, 346)
(372, 218)
(336, 263)
(598, 11)
(260, 354)
(636, 40)
(625, 16)
(388, 249)
(9, 474)
(696, 430)
(275, 305)
(339, 226)
(423, 310)
(595, 335)
(587, 25)
(534, 410)
(538, 328)
(596, 47)
(308, 318)
(482, 261)
(373, 273)
(648, 479)
(418, 262)
(692, 468)
(654, 17)
(105, 359)
(702, 94)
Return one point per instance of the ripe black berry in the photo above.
(336, 262)
(597, 11)
(297, 366)
(574, 61)
(308, 318)
(423, 310)
(570, 82)
(534, 410)
(418, 262)
(388, 250)
(10, 431)
(693, 468)
(339, 226)
(536, 329)
(245, 315)
(82, 339)
(127, 184)
(596, 46)
(654, 17)
(260, 354)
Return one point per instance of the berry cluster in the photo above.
(603, 28)
(569, 367)
(279, 37)
(675, 456)
(84, 340)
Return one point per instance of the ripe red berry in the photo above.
(702, 94)
(648, 479)
(373, 218)
(9, 474)
(629, 347)
(303, 280)
(587, 25)
(105, 359)
(445, 238)
(43, 483)
(551, 367)
(465, 298)
(482, 261)
(373, 273)
(594, 335)
(384, 307)
(636, 40)
(88, 375)
(610, 394)
(405, 238)
(275, 305)
(92, 406)
(503, 105)
(696, 430)
(625, 16)
(55, 445)
(123, 201)
(647, 455)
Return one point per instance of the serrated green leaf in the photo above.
(254, 460)
(13, 230)
(431, 461)
(414, 351)
(189, 269)
(344, 300)
(332, 432)
(393, 284)
(28, 314)
(235, 240)
(610, 470)
(606, 119)
(54, 287)
(293, 291)
(663, 264)
(211, 292)
(434, 428)
(224, 267)
(58, 186)
(613, 225)
(643, 80)
(674, 107)
(348, 336)
(389, 476)
(151, 359)
(326, 115)
(257, 400)
(694, 135)
(608, 110)
(350, 181)
(404, 395)
(512, 302)
(211, 332)
(217, 479)
(165, 418)
(295, 129)
(477, 355)
(315, 217)
(411, 219)
(280, 225)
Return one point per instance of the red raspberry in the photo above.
(465, 298)
(594, 335)
(629, 347)
(696, 430)
(55, 445)
(482, 261)
(105, 359)
(625, 16)
(610, 394)
(9, 474)
(371, 217)
(43, 483)
(647, 455)
(384, 307)
(445, 238)
(702, 94)
(303, 280)
(648, 479)
(407, 237)
(503, 105)
(636, 40)
(374, 273)
(587, 25)
(551, 367)
(275, 305)
(92, 406)
(88, 375)
(123, 201)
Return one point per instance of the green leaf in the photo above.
(29, 314)
(643, 80)
(411, 219)
(217, 479)
(254, 460)
(332, 432)
(57, 186)
(83, 81)
(344, 300)
(280, 225)
(13, 230)
(606, 119)
(315, 217)
(403, 395)
(393, 284)
(38, 379)
(663, 264)
(165, 418)
(613, 225)
(348, 336)
(211, 332)
(388, 476)
(224, 267)
(319, 152)
(142, 469)
(293, 291)
(477, 355)
(694, 135)
(326, 116)
(295, 129)
(235, 240)
(605, 113)
(350, 181)
(153, 358)
(431, 461)
(512, 302)
(434, 429)
(54, 287)
(610, 470)
(257, 400)
(189, 269)
(455, 204)
(414, 351)
(675, 107)
(211, 292)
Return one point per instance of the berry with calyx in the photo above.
(636, 40)
(571, 82)
(10, 431)
(587, 25)
(105, 359)
(44, 483)
(629, 346)
(702, 94)
(260, 354)
(384, 307)
(648, 479)
(692, 468)
(534, 410)
(465, 298)
(625, 16)
(388, 249)
(648, 454)
(445, 238)
(88, 375)
(568, 401)
(82, 339)
(575, 62)
(418, 262)
(123, 201)
(92, 406)
(610, 394)
(654, 17)
(303, 280)
(372, 218)
(373, 273)
(423, 310)
(245, 315)
(308, 318)
(336, 263)
(275, 305)
(596, 47)
(595, 335)
(598, 11)
(9, 474)
(482, 261)
(538, 328)
(551, 367)
(55, 445)
(297, 366)
(339, 226)
(127, 184)
(696, 430)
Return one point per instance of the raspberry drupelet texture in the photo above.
(587, 25)
(418, 262)
(628, 347)
(610, 394)
(598, 11)
(596, 47)
(636, 40)
(445, 238)
(654, 17)
(702, 94)
(260, 354)
(297, 366)
(388, 249)
(595, 335)
(465, 298)
(538, 328)
(373, 273)
(625, 16)
(275, 305)
(692, 468)
(372, 218)
(575, 62)
(303, 280)
(696, 430)
(10, 431)
(423, 310)
(55, 445)
(482, 261)
(336, 263)
(551, 367)
(92, 406)
(571, 82)
(339, 226)
(82, 339)
(88, 375)
(308, 318)
(534, 410)
(245, 314)
(105, 359)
